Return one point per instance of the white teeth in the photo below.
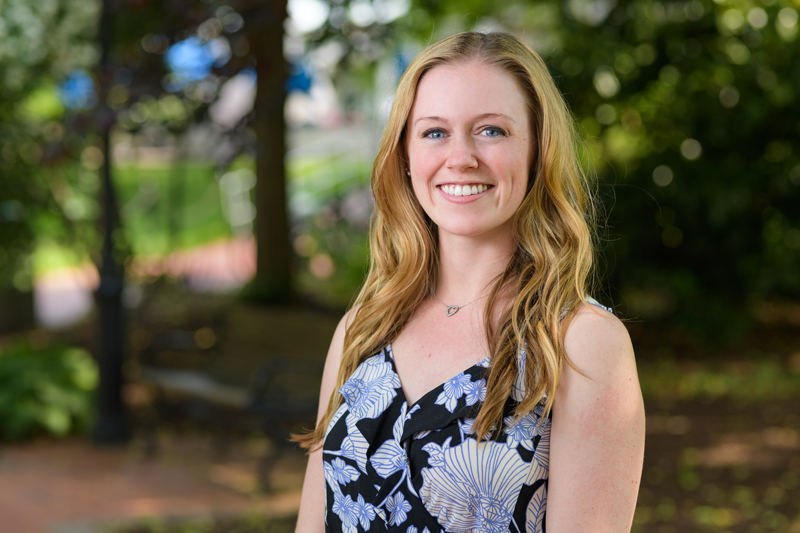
(466, 190)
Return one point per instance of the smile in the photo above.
(463, 190)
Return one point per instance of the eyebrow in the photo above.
(481, 116)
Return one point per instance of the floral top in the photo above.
(418, 469)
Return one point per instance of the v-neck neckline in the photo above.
(438, 388)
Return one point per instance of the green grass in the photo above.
(162, 210)
(165, 209)
(747, 380)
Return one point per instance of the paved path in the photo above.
(72, 486)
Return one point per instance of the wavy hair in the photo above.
(549, 270)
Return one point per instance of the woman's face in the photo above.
(470, 148)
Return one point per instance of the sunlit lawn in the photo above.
(165, 209)
(168, 208)
(162, 209)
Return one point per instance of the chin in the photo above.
(471, 231)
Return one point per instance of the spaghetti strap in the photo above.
(594, 302)
(590, 301)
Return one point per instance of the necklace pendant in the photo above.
(452, 309)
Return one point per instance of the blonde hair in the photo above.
(549, 269)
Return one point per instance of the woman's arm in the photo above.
(311, 517)
(597, 439)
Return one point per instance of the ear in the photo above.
(405, 162)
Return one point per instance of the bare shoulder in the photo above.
(337, 343)
(597, 439)
(598, 344)
(312, 503)
(334, 358)
(603, 375)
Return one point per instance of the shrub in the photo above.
(45, 390)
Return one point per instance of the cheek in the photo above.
(421, 170)
(417, 162)
(421, 191)
(423, 196)
(522, 181)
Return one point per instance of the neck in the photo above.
(469, 265)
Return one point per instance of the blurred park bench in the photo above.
(235, 367)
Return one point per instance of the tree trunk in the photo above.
(273, 257)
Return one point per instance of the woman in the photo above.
(474, 386)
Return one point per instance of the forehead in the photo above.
(460, 89)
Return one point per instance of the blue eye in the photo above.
(493, 132)
(433, 134)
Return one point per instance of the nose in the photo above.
(461, 155)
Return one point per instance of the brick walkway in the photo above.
(74, 487)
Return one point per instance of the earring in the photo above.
(408, 172)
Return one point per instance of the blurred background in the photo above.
(184, 206)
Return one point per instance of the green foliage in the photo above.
(332, 204)
(166, 208)
(43, 39)
(40, 44)
(691, 107)
(332, 255)
(700, 194)
(45, 390)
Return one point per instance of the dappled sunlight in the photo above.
(723, 440)
(121, 485)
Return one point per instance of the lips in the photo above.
(466, 189)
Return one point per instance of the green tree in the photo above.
(253, 31)
(40, 44)
(691, 117)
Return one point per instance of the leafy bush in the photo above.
(47, 389)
